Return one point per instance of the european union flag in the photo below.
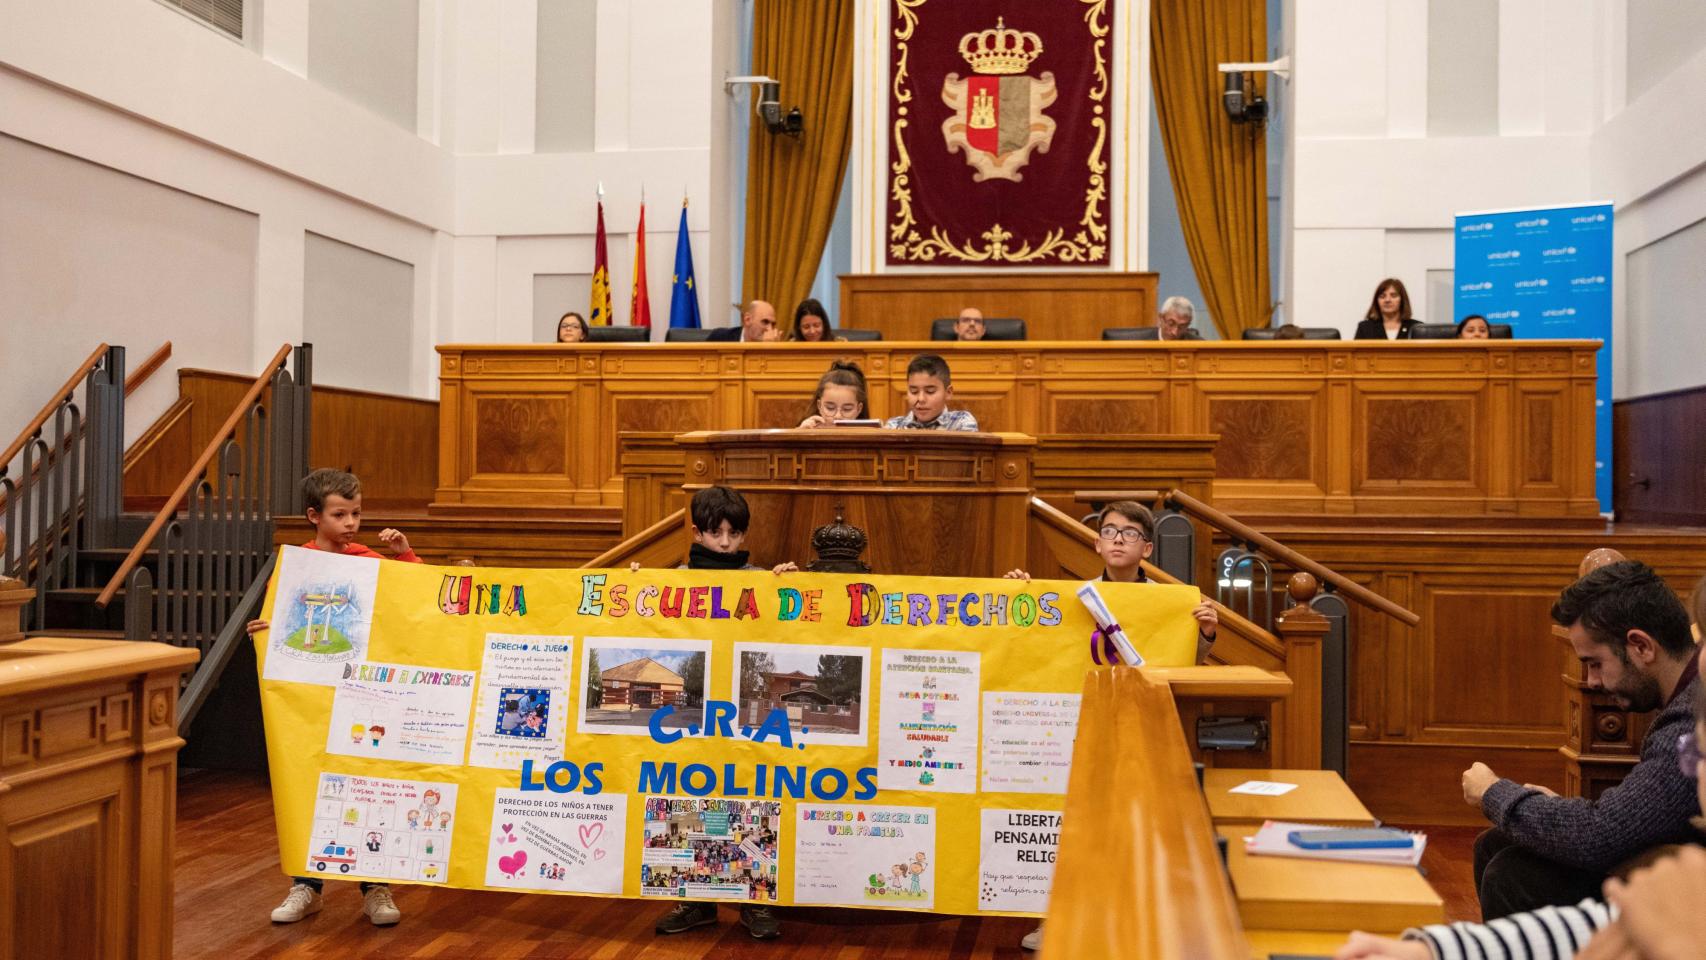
(683, 297)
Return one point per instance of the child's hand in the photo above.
(814, 421)
(394, 539)
(782, 568)
(1016, 574)
(1208, 619)
(634, 567)
(256, 626)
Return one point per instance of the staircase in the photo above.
(189, 574)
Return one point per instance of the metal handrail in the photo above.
(192, 476)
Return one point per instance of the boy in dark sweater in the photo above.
(720, 519)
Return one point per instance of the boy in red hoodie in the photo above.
(333, 505)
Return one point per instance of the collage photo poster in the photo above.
(840, 740)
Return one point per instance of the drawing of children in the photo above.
(377, 732)
(917, 871)
(444, 821)
(429, 805)
(375, 839)
(414, 816)
(355, 733)
(929, 711)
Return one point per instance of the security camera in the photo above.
(1241, 105)
(769, 104)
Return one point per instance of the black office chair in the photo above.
(1448, 331)
(687, 335)
(852, 333)
(1309, 333)
(618, 334)
(994, 328)
(1131, 333)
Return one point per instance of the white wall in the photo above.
(1594, 101)
(357, 311)
(1373, 193)
(174, 267)
(427, 162)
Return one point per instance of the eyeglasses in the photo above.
(844, 411)
(1688, 754)
(1128, 534)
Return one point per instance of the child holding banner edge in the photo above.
(1125, 537)
(332, 504)
(720, 520)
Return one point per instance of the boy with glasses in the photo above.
(1125, 537)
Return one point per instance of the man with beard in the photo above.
(1632, 636)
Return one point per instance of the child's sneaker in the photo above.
(379, 906)
(686, 916)
(760, 921)
(1034, 939)
(301, 901)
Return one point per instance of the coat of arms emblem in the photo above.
(998, 114)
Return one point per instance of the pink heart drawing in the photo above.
(598, 854)
(590, 832)
(509, 837)
(512, 864)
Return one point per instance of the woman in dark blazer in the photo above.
(1388, 316)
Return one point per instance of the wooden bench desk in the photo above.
(1288, 893)
(1321, 797)
(1301, 943)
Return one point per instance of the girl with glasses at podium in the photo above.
(840, 396)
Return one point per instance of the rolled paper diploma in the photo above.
(1110, 628)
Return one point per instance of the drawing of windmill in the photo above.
(327, 603)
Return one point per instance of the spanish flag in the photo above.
(599, 314)
(640, 307)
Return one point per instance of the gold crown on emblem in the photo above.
(1000, 50)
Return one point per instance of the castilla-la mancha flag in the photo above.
(599, 313)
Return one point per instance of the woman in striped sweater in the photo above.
(1659, 913)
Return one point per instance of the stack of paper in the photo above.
(1273, 840)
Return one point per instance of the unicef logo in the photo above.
(1593, 218)
(1563, 312)
(1472, 287)
(1505, 315)
(1593, 281)
(1505, 255)
(1531, 224)
(1476, 227)
(1559, 252)
(1525, 284)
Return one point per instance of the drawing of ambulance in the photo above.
(334, 854)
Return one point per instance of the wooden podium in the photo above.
(88, 797)
(932, 503)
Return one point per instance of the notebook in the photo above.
(1273, 841)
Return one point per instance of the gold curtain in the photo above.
(792, 185)
(1218, 168)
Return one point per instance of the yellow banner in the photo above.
(863, 741)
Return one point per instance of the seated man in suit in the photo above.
(1174, 323)
(1632, 634)
(757, 325)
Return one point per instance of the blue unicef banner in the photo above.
(1546, 271)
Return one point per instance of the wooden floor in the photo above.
(228, 879)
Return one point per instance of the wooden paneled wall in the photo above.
(1454, 428)
(1659, 458)
(1481, 678)
(390, 442)
(1054, 305)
